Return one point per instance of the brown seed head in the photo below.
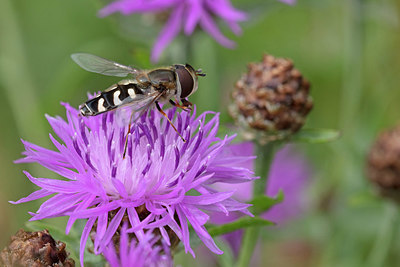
(37, 249)
(272, 97)
(383, 166)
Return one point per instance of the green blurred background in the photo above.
(347, 49)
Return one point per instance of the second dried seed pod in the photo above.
(272, 97)
(383, 163)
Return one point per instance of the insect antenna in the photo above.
(199, 72)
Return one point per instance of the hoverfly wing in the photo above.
(103, 66)
(135, 107)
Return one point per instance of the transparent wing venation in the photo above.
(103, 66)
(138, 106)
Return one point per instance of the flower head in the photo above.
(162, 184)
(184, 14)
(289, 172)
(138, 253)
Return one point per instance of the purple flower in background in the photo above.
(144, 252)
(289, 172)
(150, 186)
(184, 14)
(289, 2)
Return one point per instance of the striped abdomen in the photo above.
(114, 97)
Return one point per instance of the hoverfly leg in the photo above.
(127, 134)
(186, 103)
(183, 107)
(170, 122)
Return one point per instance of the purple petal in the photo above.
(224, 9)
(84, 237)
(53, 185)
(114, 224)
(33, 196)
(289, 2)
(171, 29)
(207, 199)
(194, 14)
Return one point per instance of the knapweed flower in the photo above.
(162, 184)
(184, 14)
(143, 252)
(289, 172)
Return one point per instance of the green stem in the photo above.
(352, 77)
(15, 75)
(249, 243)
(188, 49)
(265, 155)
(384, 236)
(209, 85)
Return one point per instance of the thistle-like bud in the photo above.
(271, 98)
(383, 166)
(35, 249)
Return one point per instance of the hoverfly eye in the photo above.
(186, 81)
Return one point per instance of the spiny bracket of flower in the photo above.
(150, 186)
(141, 252)
(271, 100)
(186, 14)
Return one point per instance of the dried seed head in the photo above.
(35, 249)
(383, 166)
(272, 97)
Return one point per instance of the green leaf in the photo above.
(263, 203)
(55, 231)
(314, 136)
(241, 223)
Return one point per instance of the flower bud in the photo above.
(35, 249)
(383, 163)
(272, 97)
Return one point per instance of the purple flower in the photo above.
(289, 2)
(150, 186)
(143, 252)
(184, 14)
(289, 172)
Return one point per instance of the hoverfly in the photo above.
(145, 89)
